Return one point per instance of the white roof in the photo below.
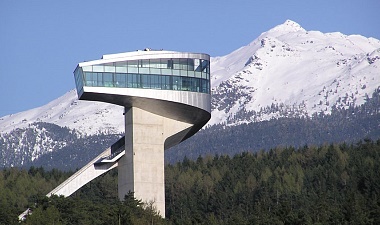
(119, 57)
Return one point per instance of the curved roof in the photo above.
(136, 55)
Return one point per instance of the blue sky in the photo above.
(41, 42)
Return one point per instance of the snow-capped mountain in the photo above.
(303, 72)
(285, 72)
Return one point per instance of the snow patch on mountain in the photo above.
(87, 118)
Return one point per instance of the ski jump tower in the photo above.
(166, 96)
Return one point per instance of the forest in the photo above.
(326, 184)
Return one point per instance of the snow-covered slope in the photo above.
(299, 72)
(85, 117)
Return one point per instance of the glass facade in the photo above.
(181, 74)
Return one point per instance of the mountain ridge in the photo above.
(290, 65)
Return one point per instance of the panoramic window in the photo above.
(181, 74)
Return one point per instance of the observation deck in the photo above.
(172, 84)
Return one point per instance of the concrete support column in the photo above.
(141, 169)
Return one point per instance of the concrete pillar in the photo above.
(141, 169)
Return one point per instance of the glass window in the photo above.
(176, 64)
(166, 71)
(99, 79)
(132, 67)
(120, 80)
(129, 80)
(121, 69)
(190, 73)
(89, 80)
(155, 71)
(98, 68)
(196, 84)
(121, 64)
(156, 63)
(108, 79)
(163, 63)
(177, 85)
(166, 82)
(87, 68)
(94, 79)
(166, 74)
(175, 72)
(145, 81)
(190, 64)
(183, 64)
(144, 63)
(155, 82)
(204, 75)
(170, 64)
(202, 86)
(186, 84)
(204, 64)
(79, 79)
(136, 81)
(183, 73)
(109, 67)
(77, 75)
(144, 70)
(197, 63)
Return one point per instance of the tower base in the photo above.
(141, 169)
